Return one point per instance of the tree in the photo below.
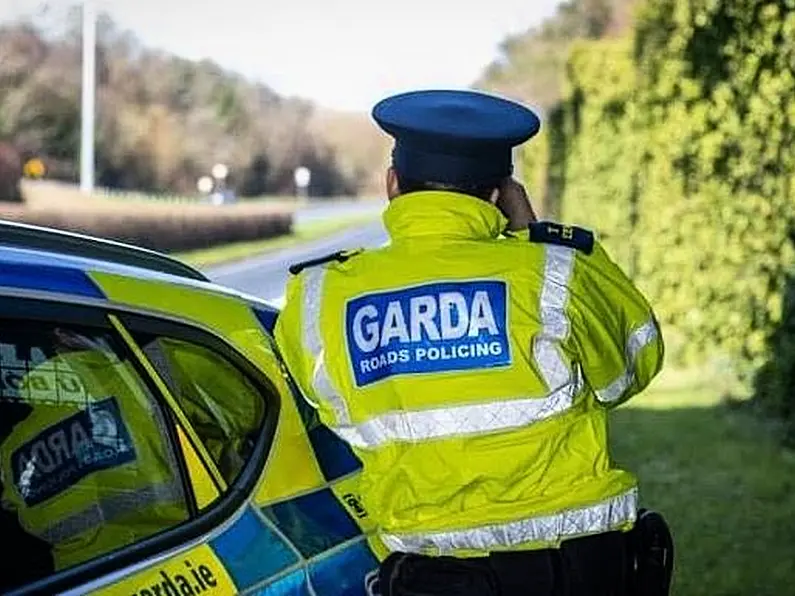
(162, 121)
(10, 173)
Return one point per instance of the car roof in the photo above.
(47, 251)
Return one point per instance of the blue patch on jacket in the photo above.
(435, 327)
(63, 454)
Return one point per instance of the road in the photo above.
(265, 276)
(320, 211)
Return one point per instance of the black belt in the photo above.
(637, 563)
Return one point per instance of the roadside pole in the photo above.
(88, 97)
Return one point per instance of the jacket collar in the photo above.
(442, 214)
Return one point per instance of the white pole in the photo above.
(88, 92)
(518, 171)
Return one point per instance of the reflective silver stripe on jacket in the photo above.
(563, 383)
(453, 421)
(313, 342)
(638, 339)
(558, 267)
(601, 517)
(109, 508)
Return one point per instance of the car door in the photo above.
(96, 478)
(309, 487)
(303, 529)
(217, 494)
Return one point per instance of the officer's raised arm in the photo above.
(614, 328)
(511, 198)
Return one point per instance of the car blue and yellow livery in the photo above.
(151, 441)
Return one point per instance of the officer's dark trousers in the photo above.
(590, 566)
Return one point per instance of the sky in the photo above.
(342, 54)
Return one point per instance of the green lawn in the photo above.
(241, 250)
(720, 477)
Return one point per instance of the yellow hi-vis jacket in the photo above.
(472, 374)
(90, 470)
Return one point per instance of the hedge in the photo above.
(717, 112)
(165, 228)
(598, 184)
(679, 152)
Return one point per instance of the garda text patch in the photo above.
(64, 453)
(431, 328)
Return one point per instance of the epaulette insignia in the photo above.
(551, 232)
(340, 256)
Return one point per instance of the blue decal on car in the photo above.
(251, 551)
(48, 278)
(343, 572)
(314, 522)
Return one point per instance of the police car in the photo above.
(151, 441)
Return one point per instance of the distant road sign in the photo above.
(205, 184)
(220, 171)
(302, 177)
(34, 168)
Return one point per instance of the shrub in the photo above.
(677, 148)
(162, 227)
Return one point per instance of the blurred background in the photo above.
(237, 136)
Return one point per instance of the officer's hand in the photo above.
(515, 205)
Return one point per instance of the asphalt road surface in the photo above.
(265, 276)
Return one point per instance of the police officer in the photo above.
(471, 364)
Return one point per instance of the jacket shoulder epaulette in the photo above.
(550, 232)
(340, 256)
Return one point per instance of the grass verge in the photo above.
(242, 250)
(724, 483)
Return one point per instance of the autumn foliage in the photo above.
(162, 122)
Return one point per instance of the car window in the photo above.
(224, 406)
(86, 461)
